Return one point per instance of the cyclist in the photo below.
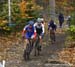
(61, 19)
(29, 33)
(52, 28)
(39, 28)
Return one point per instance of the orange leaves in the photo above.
(62, 2)
(23, 5)
(23, 8)
(65, 5)
(46, 0)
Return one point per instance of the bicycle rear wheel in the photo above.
(52, 36)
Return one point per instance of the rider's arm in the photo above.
(43, 29)
(24, 31)
(35, 29)
(55, 26)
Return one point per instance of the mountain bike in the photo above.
(28, 49)
(52, 36)
(37, 46)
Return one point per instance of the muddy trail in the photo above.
(49, 55)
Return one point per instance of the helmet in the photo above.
(42, 19)
(39, 20)
(30, 22)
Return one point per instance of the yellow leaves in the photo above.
(23, 15)
(28, 6)
(37, 7)
(62, 2)
(6, 28)
(3, 22)
(23, 8)
(65, 5)
(46, 0)
(3, 25)
(67, 55)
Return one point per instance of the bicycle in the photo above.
(37, 46)
(52, 36)
(28, 49)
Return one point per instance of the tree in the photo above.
(65, 6)
(21, 11)
(52, 9)
(23, 8)
(29, 9)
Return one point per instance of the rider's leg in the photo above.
(26, 56)
(26, 47)
(26, 40)
(40, 47)
(41, 38)
(33, 40)
(60, 24)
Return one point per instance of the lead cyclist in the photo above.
(28, 34)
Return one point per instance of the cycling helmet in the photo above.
(39, 20)
(30, 22)
(42, 19)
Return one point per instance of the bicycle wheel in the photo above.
(28, 50)
(52, 36)
(37, 46)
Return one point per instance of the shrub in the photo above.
(71, 31)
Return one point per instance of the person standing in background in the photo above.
(69, 20)
(61, 19)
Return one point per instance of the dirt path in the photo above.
(48, 58)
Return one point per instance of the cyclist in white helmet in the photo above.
(41, 20)
(39, 28)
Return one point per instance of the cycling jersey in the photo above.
(29, 31)
(39, 28)
(51, 25)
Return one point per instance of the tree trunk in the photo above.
(52, 9)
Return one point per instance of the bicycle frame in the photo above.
(37, 46)
(52, 35)
(28, 49)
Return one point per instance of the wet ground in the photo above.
(49, 55)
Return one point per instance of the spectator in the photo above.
(68, 20)
(61, 19)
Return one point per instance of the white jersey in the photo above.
(39, 28)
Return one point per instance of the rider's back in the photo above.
(39, 29)
(52, 25)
